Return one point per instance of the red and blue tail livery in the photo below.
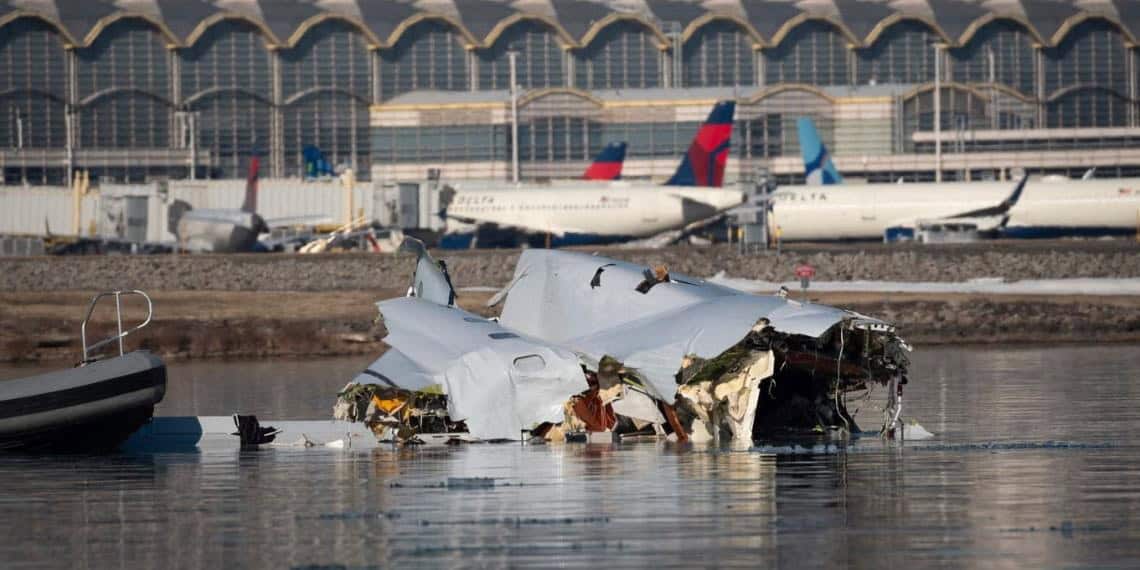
(250, 203)
(607, 165)
(705, 160)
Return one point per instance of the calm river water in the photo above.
(1034, 464)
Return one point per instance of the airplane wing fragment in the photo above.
(987, 219)
(497, 381)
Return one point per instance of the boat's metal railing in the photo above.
(118, 295)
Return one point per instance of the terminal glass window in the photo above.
(962, 111)
(33, 85)
(652, 140)
(1092, 54)
(124, 85)
(429, 55)
(454, 143)
(553, 139)
(623, 55)
(129, 54)
(333, 54)
(1090, 107)
(32, 58)
(232, 127)
(904, 53)
(814, 53)
(125, 119)
(539, 60)
(335, 123)
(1001, 52)
(32, 121)
(765, 136)
(229, 55)
(719, 54)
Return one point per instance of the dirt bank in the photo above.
(195, 324)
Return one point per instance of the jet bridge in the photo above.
(413, 205)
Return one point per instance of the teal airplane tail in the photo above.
(818, 168)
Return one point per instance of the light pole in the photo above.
(512, 58)
(938, 112)
(992, 77)
(20, 147)
(19, 129)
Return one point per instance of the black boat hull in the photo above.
(92, 408)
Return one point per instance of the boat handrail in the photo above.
(118, 294)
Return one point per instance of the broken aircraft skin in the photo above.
(590, 344)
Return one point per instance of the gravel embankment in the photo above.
(1013, 261)
(304, 306)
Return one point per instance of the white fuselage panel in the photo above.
(866, 211)
(592, 208)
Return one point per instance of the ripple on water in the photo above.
(1030, 466)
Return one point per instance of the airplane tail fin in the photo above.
(704, 162)
(818, 168)
(607, 165)
(174, 213)
(250, 203)
(316, 166)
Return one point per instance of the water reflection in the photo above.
(949, 501)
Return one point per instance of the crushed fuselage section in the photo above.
(772, 383)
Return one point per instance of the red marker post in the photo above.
(805, 272)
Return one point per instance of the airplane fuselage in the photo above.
(598, 209)
(854, 212)
(219, 231)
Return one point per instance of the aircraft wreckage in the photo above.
(593, 348)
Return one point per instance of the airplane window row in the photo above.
(588, 206)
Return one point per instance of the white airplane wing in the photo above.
(537, 227)
(988, 218)
(291, 221)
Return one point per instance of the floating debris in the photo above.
(470, 483)
(639, 353)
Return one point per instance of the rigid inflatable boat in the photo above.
(92, 407)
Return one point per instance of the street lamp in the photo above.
(512, 58)
(938, 110)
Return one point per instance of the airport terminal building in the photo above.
(137, 90)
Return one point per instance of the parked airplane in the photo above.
(1048, 207)
(588, 212)
(889, 211)
(316, 166)
(218, 230)
(818, 168)
(607, 165)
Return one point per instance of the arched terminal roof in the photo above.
(576, 22)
